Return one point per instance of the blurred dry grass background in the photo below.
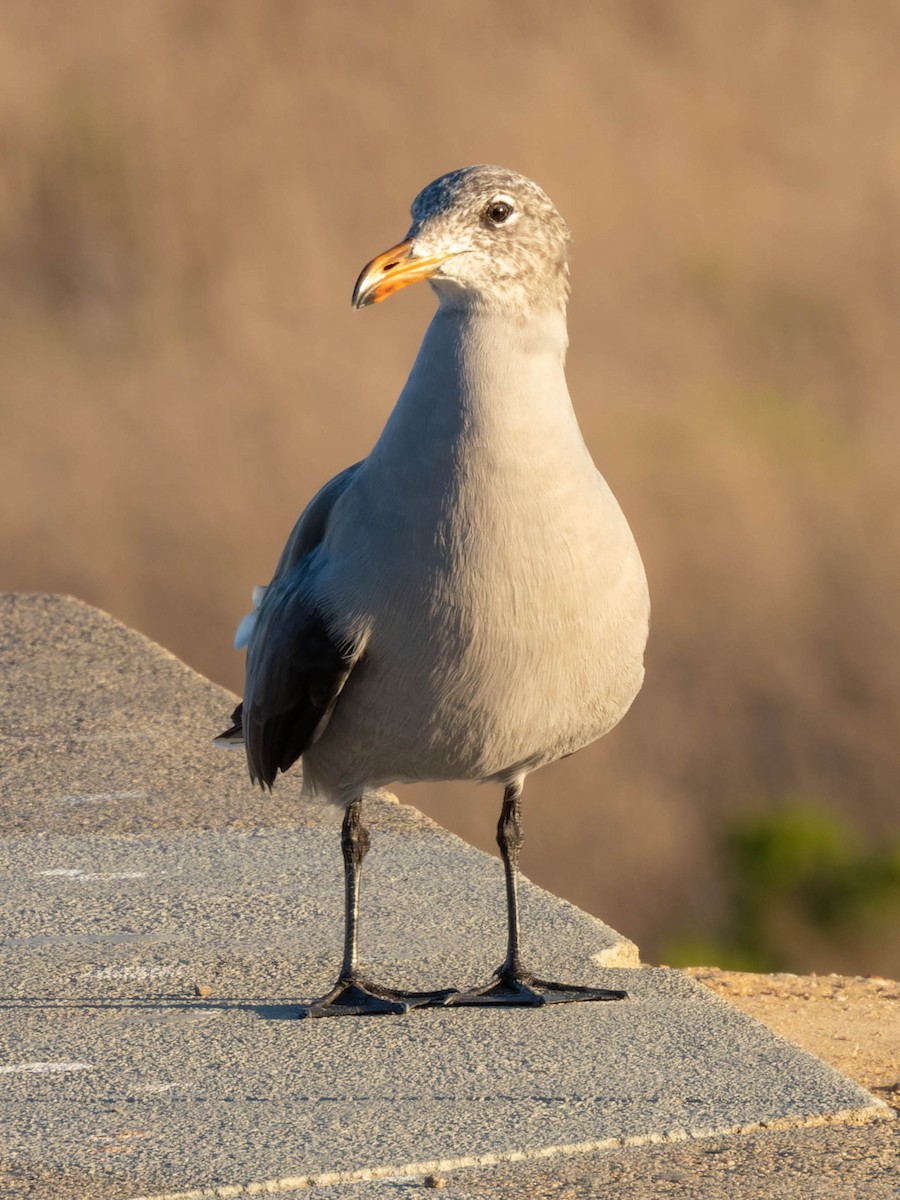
(188, 190)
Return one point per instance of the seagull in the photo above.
(467, 602)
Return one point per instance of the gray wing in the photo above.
(310, 527)
(296, 664)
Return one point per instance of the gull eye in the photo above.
(498, 211)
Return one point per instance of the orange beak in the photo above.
(391, 271)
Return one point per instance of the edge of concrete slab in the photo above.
(877, 1111)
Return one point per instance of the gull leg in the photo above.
(353, 995)
(513, 985)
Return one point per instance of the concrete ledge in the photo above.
(137, 864)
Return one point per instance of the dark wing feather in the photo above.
(296, 670)
(233, 736)
(309, 529)
(296, 664)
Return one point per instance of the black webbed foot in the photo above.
(521, 989)
(357, 997)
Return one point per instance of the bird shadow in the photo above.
(161, 1008)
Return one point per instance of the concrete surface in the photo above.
(138, 863)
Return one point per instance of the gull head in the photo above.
(484, 237)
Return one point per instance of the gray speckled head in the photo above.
(507, 244)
